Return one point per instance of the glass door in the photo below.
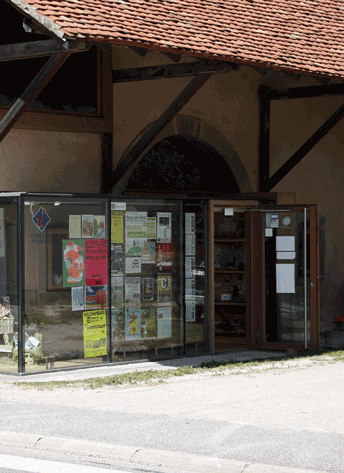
(287, 277)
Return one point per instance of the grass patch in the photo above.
(213, 368)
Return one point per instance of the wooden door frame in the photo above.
(252, 204)
(314, 229)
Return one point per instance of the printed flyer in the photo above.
(132, 265)
(164, 227)
(117, 300)
(151, 228)
(94, 323)
(190, 223)
(96, 262)
(148, 323)
(164, 256)
(132, 292)
(87, 226)
(78, 299)
(75, 226)
(135, 232)
(190, 287)
(117, 260)
(99, 226)
(190, 266)
(164, 322)
(147, 289)
(133, 246)
(96, 297)
(117, 325)
(73, 252)
(190, 245)
(132, 324)
(148, 252)
(164, 288)
(190, 311)
(117, 227)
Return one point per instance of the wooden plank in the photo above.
(10, 52)
(304, 149)
(183, 98)
(204, 66)
(32, 91)
(264, 138)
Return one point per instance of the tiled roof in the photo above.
(296, 35)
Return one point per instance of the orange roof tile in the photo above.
(296, 35)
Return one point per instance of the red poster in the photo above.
(96, 261)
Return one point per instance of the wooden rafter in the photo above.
(10, 52)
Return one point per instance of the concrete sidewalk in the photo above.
(120, 368)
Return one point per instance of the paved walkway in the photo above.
(120, 368)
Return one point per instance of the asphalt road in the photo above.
(288, 419)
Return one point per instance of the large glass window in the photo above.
(146, 302)
(66, 282)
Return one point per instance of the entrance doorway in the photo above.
(263, 276)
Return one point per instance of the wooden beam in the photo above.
(32, 91)
(183, 98)
(106, 163)
(264, 138)
(166, 71)
(304, 149)
(306, 92)
(10, 52)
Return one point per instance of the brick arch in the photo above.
(196, 130)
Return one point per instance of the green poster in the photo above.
(73, 254)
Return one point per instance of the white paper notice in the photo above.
(229, 211)
(269, 232)
(189, 266)
(286, 255)
(164, 227)
(190, 223)
(285, 278)
(285, 243)
(190, 311)
(190, 245)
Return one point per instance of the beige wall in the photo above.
(228, 103)
(40, 161)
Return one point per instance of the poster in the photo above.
(190, 245)
(151, 228)
(75, 226)
(73, 254)
(190, 287)
(117, 260)
(78, 299)
(164, 288)
(95, 297)
(164, 322)
(96, 269)
(148, 252)
(117, 301)
(164, 227)
(148, 322)
(132, 289)
(133, 265)
(132, 324)
(190, 267)
(99, 226)
(190, 223)
(136, 225)
(164, 256)
(117, 325)
(87, 226)
(94, 322)
(133, 246)
(190, 311)
(117, 227)
(147, 289)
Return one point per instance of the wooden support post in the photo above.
(182, 99)
(264, 138)
(106, 164)
(304, 149)
(32, 91)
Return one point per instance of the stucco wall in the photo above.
(41, 161)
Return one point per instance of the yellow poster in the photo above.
(116, 227)
(94, 333)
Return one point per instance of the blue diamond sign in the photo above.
(41, 219)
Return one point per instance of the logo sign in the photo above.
(41, 219)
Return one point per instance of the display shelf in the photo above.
(229, 240)
(239, 303)
(227, 271)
